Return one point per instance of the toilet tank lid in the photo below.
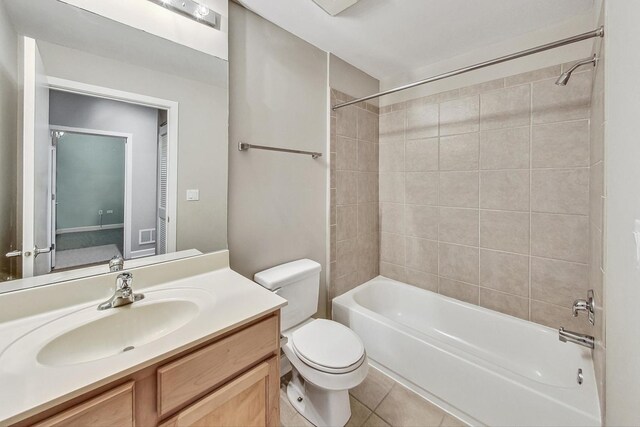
(285, 274)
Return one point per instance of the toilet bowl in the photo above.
(327, 358)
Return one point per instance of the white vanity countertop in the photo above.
(28, 387)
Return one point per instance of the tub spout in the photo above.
(576, 338)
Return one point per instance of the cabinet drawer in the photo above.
(187, 378)
(112, 408)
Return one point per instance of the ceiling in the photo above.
(390, 37)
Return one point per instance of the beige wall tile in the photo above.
(367, 156)
(505, 189)
(459, 189)
(391, 187)
(367, 187)
(505, 272)
(460, 291)
(458, 263)
(421, 155)
(346, 260)
(368, 257)
(532, 76)
(564, 237)
(346, 187)
(459, 152)
(392, 218)
(392, 156)
(506, 108)
(332, 244)
(345, 283)
(504, 148)
(481, 87)
(505, 231)
(552, 103)
(422, 280)
(368, 218)
(459, 226)
(402, 407)
(558, 282)
(460, 116)
(422, 121)
(421, 188)
(560, 191)
(391, 248)
(561, 145)
(422, 221)
(596, 192)
(332, 208)
(367, 125)
(391, 126)
(393, 271)
(347, 122)
(504, 303)
(347, 222)
(422, 255)
(555, 317)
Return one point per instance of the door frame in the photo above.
(171, 107)
(128, 176)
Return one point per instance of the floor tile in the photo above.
(402, 407)
(359, 413)
(373, 389)
(375, 421)
(451, 421)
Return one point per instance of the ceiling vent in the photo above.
(334, 7)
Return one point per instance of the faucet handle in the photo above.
(124, 280)
(587, 305)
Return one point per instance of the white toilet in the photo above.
(327, 358)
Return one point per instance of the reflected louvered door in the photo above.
(161, 238)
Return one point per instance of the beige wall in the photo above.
(484, 194)
(596, 217)
(278, 97)
(622, 175)
(202, 134)
(8, 137)
(355, 235)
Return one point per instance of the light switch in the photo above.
(193, 195)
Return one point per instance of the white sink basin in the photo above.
(89, 335)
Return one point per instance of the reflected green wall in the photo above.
(90, 176)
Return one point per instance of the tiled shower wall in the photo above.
(354, 240)
(484, 194)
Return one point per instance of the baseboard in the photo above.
(89, 228)
(142, 253)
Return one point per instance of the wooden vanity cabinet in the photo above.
(232, 380)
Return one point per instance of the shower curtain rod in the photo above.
(599, 32)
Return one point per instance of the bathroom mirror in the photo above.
(114, 142)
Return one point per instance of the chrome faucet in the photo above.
(576, 338)
(123, 294)
(116, 263)
(587, 305)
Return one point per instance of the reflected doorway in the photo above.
(89, 186)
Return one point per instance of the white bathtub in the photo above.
(485, 367)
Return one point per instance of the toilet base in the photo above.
(321, 407)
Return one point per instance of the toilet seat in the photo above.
(328, 346)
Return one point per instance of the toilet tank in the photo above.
(299, 283)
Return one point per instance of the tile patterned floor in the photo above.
(379, 402)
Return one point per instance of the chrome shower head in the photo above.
(564, 77)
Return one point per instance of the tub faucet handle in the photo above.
(587, 305)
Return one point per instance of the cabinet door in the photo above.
(245, 401)
(113, 408)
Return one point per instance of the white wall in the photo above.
(622, 169)
(278, 97)
(351, 80)
(577, 25)
(202, 134)
(68, 109)
(8, 136)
